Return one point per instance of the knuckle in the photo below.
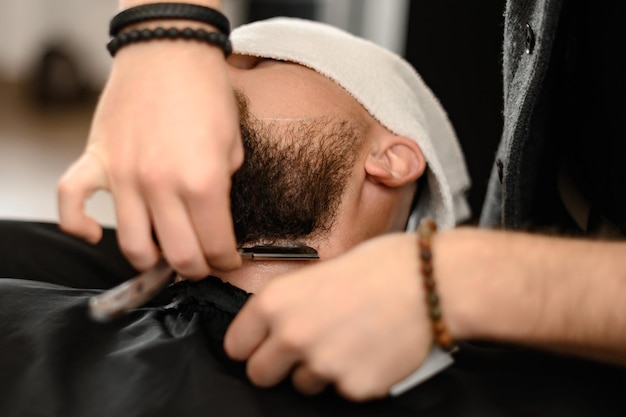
(265, 306)
(121, 173)
(68, 225)
(181, 261)
(137, 253)
(65, 186)
(359, 389)
(200, 182)
(220, 257)
(350, 392)
(68, 186)
(186, 264)
(149, 177)
(307, 381)
(323, 366)
(293, 339)
(257, 373)
(197, 185)
(213, 252)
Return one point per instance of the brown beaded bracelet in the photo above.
(425, 232)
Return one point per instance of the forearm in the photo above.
(553, 293)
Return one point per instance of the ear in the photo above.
(395, 161)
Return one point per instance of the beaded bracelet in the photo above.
(212, 38)
(426, 230)
(159, 11)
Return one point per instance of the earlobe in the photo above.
(396, 161)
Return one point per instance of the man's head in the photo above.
(319, 168)
(333, 149)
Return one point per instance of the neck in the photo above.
(253, 275)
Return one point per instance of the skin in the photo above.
(167, 166)
(381, 186)
(330, 323)
(333, 323)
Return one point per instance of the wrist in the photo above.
(168, 57)
(426, 232)
(489, 291)
(454, 302)
(177, 54)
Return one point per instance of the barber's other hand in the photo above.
(164, 141)
(358, 321)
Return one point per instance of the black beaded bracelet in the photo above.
(213, 38)
(157, 11)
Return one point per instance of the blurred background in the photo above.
(53, 63)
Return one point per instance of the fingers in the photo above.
(204, 210)
(193, 222)
(271, 362)
(264, 334)
(313, 363)
(177, 237)
(271, 357)
(245, 333)
(248, 338)
(277, 344)
(192, 240)
(134, 228)
(308, 382)
(80, 181)
(338, 322)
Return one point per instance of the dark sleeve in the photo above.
(42, 252)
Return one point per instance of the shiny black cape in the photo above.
(167, 359)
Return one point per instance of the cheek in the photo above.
(288, 97)
(382, 214)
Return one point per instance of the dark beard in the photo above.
(293, 177)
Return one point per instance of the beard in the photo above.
(293, 177)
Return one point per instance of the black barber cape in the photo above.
(166, 359)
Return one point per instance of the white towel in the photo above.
(387, 86)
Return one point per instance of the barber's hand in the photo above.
(164, 141)
(358, 321)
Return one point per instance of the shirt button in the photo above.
(529, 43)
(500, 167)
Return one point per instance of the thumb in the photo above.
(82, 179)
